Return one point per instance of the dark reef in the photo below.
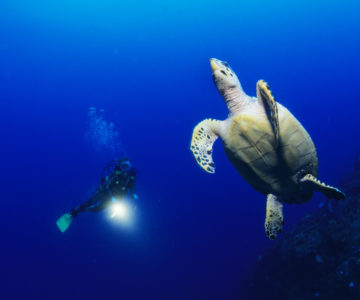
(319, 258)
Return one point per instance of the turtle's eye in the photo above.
(222, 71)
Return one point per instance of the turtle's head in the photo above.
(224, 77)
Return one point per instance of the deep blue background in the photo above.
(146, 64)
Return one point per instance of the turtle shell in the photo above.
(250, 146)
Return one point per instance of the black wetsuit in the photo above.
(115, 185)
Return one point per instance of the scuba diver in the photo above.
(117, 179)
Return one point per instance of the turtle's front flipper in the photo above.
(203, 137)
(264, 95)
(329, 191)
(274, 216)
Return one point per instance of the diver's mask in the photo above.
(125, 166)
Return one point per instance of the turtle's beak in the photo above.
(215, 64)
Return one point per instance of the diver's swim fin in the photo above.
(64, 222)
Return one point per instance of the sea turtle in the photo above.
(266, 144)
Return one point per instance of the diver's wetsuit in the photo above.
(116, 185)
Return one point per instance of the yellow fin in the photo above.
(274, 217)
(264, 95)
(203, 138)
(327, 190)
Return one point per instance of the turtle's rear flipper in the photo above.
(274, 217)
(265, 96)
(329, 191)
(203, 138)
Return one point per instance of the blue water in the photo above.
(145, 63)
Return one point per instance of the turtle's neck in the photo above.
(235, 99)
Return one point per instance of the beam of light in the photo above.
(119, 210)
(122, 211)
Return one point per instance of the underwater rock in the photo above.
(319, 258)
